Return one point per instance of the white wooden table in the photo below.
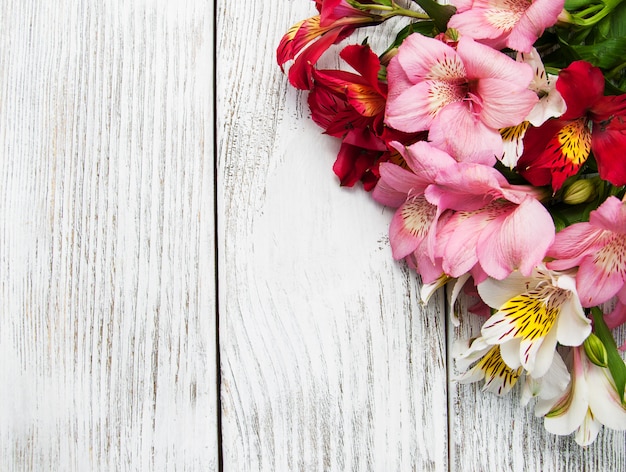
(183, 284)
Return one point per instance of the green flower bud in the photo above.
(595, 350)
(580, 191)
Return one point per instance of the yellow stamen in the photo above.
(532, 314)
(575, 142)
(494, 367)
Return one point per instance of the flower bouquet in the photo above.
(497, 128)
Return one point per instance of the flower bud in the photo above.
(595, 350)
(580, 191)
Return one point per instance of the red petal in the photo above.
(581, 86)
(300, 72)
(363, 60)
(608, 144)
(563, 155)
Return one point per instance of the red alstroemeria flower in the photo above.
(592, 122)
(351, 106)
(307, 40)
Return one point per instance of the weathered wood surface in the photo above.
(107, 298)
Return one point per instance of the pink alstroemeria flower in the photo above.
(598, 247)
(515, 24)
(462, 97)
(501, 227)
(414, 224)
(482, 224)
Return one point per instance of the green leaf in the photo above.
(571, 5)
(617, 22)
(425, 27)
(606, 55)
(440, 14)
(615, 361)
(387, 3)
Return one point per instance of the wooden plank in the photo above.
(328, 360)
(491, 433)
(107, 292)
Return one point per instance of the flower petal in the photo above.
(509, 245)
(569, 411)
(395, 184)
(539, 15)
(537, 355)
(605, 402)
(410, 226)
(503, 105)
(601, 276)
(496, 293)
(472, 140)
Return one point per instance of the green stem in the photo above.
(393, 9)
(616, 70)
(398, 11)
(598, 12)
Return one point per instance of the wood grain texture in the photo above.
(329, 363)
(107, 292)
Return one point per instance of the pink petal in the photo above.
(410, 226)
(484, 62)
(462, 5)
(459, 132)
(517, 241)
(466, 187)
(398, 78)
(502, 105)
(474, 24)
(597, 282)
(419, 55)
(540, 15)
(425, 160)
(572, 244)
(459, 251)
(611, 216)
(394, 185)
(412, 110)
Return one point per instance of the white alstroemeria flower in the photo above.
(552, 385)
(534, 313)
(428, 290)
(499, 377)
(590, 402)
(550, 105)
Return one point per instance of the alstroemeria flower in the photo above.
(499, 377)
(548, 387)
(308, 39)
(550, 105)
(590, 401)
(534, 313)
(593, 122)
(351, 106)
(598, 248)
(514, 24)
(414, 224)
(462, 97)
(500, 226)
